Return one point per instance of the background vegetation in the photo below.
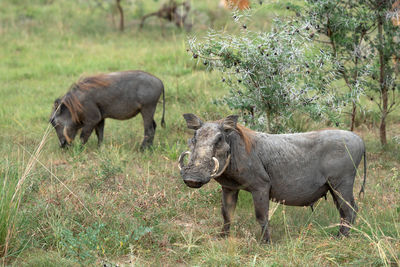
(118, 206)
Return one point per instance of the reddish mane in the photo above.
(71, 101)
(96, 81)
(247, 136)
(74, 106)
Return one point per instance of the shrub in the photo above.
(272, 75)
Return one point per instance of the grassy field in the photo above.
(118, 206)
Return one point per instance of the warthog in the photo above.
(117, 95)
(292, 169)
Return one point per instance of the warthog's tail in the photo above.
(365, 175)
(163, 108)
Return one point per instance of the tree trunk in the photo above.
(268, 122)
(121, 13)
(353, 116)
(382, 131)
(384, 112)
(382, 84)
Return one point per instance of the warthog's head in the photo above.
(209, 153)
(62, 121)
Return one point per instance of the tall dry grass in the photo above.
(12, 191)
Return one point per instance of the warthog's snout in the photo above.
(194, 179)
(63, 143)
(193, 183)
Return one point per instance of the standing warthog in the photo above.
(293, 169)
(117, 95)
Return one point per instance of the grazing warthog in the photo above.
(292, 169)
(117, 95)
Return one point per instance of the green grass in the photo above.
(117, 205)
(8, 204)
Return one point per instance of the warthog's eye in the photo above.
(218, 140)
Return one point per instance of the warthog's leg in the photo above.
(149, 125)
(100, 132)
(86, 132)
(92, 119)
(344, 200)
(261, 206)
(229, 200)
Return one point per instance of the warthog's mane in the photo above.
(240, 133)
(247, 136)
(71, 101)
(90, 82)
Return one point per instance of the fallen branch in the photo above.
(170, 11)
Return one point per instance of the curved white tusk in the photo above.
(224, 168)
(181, 157)
(216, 166)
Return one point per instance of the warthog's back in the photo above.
(300, 165)
(127, 94)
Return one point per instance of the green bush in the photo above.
(272, 75)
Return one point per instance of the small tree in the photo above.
(115, 6)
(363, 41)
(386, 42)
(271, 75)
(121, 15)
(345, 25)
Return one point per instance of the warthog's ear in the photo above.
(192, 121)
(56, 106)
(57, 102)
(230, 122)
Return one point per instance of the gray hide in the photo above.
(293, 169)
(118, 95)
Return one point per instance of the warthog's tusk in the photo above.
(65, 133)
(216, 166)
(181, 157)
(224, 168)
